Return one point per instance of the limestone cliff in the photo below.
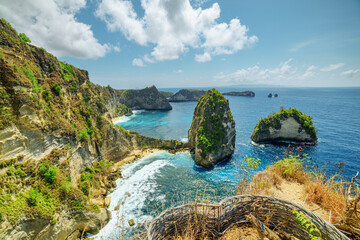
(148, 98)
(57, 144)
(245, 94)
(166, 94)
(212, 133)
(286, 125)
(187, 95)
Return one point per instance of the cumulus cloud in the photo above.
(52, 24)
(138, 62)
(351, 72)
(255, 74)
(332, 67)
(203, 57)
(173, 27)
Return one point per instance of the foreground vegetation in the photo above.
(41, 189)
(331, 194)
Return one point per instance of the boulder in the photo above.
(212, 133)
(187, 95)
(285, 126)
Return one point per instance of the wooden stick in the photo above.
(264, 229)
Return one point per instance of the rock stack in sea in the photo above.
(285, 126)
(245, 94)
(212, 133)
(187, 95)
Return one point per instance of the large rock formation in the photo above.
(148, 98)
(245, 94)
(285, 126)
(187, 95)
(166, 94)
(212, 133)
(57, 142)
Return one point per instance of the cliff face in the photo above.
(245, 94)
(57, 144)
(166, 94)
(187, 95)
(212, 133)
(148, 98)
(286, 125)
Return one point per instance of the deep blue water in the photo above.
(163, 180)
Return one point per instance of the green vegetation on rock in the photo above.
(211, 130)
(23, 38)
(274, 121)
(122, 110)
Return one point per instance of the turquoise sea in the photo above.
(162, 180)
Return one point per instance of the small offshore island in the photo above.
(60, 155)
(285, 126)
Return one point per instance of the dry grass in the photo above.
(324, 194)
(243, 232)
(327, 194)
(263, 182)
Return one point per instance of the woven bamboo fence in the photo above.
(280, 215)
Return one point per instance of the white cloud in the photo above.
(309, 72)
(173, 27)
(52, 24)
(179, 71)
(257, 75)
(332, 67)
(203, 57)
(351, 72)
(301, 45)
(138, 62)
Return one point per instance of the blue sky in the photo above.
(198, 43)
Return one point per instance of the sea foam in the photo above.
(136, 186)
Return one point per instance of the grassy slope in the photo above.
(68, 103)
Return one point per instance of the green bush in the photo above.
(50, 175)
(6, 163)
(83, 135)
(55, 88)
(65, 187)
(34, 196)
(23, 38)
(11, 171)
(47, 95)
(78, 204)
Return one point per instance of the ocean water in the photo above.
(162, 180)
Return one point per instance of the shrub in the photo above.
(291, 168)
(34, 196)
(65, 188)
(78, 205)
(50, 175)
(83, 135)
(23, 38)
(11, 171)
(47, 95)
(95, 208)
(55, 88)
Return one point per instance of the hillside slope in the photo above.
(57, 144)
